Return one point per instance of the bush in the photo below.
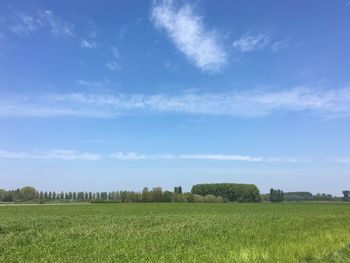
(198, 198)
(219, 199)
(180, 198)
(189, 197)
(210, 199)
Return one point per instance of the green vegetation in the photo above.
(276, 195)
(229, 192)
(175, 232)
(201, 193)
(298, 196)
(301, 196)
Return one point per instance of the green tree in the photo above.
(229, 192)
(168, 196)
(146, 195)
(276, 195)
(27, 193)
(2, 195)
(177, 190)
(157, 194)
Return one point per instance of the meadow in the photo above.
(176, 232)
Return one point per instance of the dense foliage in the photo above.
(276, 195)
(178, 232)
(229, 192)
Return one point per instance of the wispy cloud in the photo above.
(89, 83)
(221, 157)
(252, 103)
(12, 155)
(251, 42)
(186, 29)
(122, 31)
(279, 45)
(57, 25)
(89, 44)
(71, 155)
(137, 156)
(23, 23)
(340, 160)
(115, 52)
(68, 155)
(114, 64)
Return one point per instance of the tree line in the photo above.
(277, 195)
(30, 194)
(200, 193)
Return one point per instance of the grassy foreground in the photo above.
(305, 232)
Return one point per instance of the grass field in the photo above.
(304, 232)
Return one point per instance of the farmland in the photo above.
(176, 232)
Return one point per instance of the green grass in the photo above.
(175, 233)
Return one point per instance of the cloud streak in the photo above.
(187, 31)
(68, 155)
(250, 43)
(72, 155)
(341, 160)
(253, 103)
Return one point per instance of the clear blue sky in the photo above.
(125, 94)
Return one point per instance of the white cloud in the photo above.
(57, 25)
(136, 156)
(122, 31)
(89, 83)
(221, 157)
(71, 155)
(12, 155)
(187, 31)
(65, 155)
(279, 45)
(286, 159)
(341, 160)
(250, 42)
(89, 44)
(113, 66)
(68, 155)
(115, 52)
(253, 103)
(24, 23)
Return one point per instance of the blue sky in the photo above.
(123, 95)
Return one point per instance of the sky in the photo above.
(119, 95)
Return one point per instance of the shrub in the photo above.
(210, 199)
(198, 198)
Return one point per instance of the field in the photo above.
(175, 232)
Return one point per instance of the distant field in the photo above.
(304, 232)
